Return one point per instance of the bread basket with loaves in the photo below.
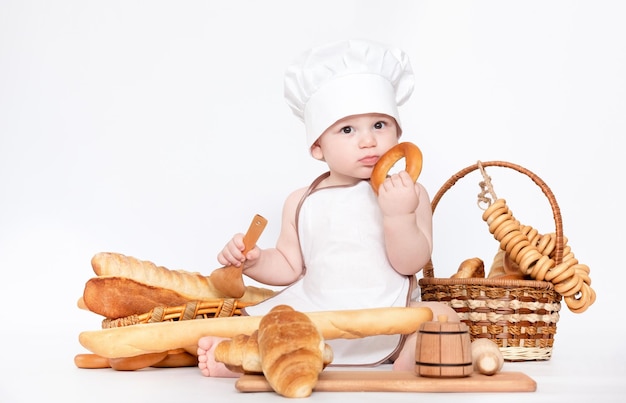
(130, 292)
(518, 313)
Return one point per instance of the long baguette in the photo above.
(191, 286)
(117, 297)
(133, 340)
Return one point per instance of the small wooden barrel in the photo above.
(443, 350)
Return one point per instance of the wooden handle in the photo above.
(229, 280)
(254, 233)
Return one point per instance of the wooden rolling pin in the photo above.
(486, 356)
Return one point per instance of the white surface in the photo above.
(576, 373)
(158, 129)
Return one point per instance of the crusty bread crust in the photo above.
(166, 284)
(118, 297)
(193, 286)
(291, 348)
(133, 340)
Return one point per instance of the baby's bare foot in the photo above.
(206, 359)
(406, 358)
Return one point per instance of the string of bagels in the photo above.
(536, 253)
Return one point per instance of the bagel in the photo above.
(470, 268)
(413, 163)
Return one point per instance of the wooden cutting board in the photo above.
(402, 381)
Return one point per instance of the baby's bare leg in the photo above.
(206, 359)
(406, 358)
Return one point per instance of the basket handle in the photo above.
(556, 212)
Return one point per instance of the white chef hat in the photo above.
(347, 78)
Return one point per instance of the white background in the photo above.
(158, 129)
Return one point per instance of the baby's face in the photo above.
(354, 144)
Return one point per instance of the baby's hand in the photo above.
(232, 254)
(398, 195)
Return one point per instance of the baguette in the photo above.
(166, 359)
(155, 337)
(128, 286)
(192, 286)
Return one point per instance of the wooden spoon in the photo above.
(229, 280)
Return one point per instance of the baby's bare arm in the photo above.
(408, 235)
(281, 265)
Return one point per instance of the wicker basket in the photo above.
(520, 316)
(217, 308)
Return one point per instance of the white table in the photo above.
(40, 368)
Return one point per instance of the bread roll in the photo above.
(470, 268)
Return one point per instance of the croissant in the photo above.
(291, 349)
(287, 348)
(240, 354)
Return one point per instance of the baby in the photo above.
(341, 246)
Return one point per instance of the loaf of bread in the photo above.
(126, 286)
(138, 339)
(193, 286)
(164, 359)
(118, 297)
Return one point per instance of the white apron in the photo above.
(341, 238)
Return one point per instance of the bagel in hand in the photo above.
(413, 163)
